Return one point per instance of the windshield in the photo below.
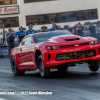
(45, 36)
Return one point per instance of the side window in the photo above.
(27, 41)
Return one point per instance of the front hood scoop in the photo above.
(74, 39)
(69, 40)
(64, 39)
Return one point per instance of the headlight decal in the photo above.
(53, 48)
(93, 42)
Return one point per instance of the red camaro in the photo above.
(59, 49)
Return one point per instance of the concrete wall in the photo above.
(53, 7)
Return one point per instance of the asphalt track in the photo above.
(78, 83)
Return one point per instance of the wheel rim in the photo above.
(41, 67)
(13, 66)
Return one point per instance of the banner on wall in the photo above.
(9, 10)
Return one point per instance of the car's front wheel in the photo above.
(94, 65)
(44, 71)
(15, 69)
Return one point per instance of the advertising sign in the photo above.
(9, 10)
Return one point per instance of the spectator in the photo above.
(53, 27)
(43, 29)
(10, 37)
(70, 29)
(20, 33)
(80, 29)
(92, 29)
(30, 31)
(59, 28)
(75, 27)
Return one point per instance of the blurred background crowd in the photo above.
(88, 29)
(12, 38)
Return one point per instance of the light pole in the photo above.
(11, 1)
(2, 26)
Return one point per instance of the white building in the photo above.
(15, 13)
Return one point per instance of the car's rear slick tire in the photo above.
(94, 66)
(15, 69)
(44, 71)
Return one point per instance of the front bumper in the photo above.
(52, 54)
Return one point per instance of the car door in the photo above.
(26, 56)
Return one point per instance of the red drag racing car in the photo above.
(59, 49)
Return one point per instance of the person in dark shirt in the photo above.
(59, 28)
(11, 37)
(92, 29)
(70, 29)
(80, 29)
(43, 29)
(75, 27)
